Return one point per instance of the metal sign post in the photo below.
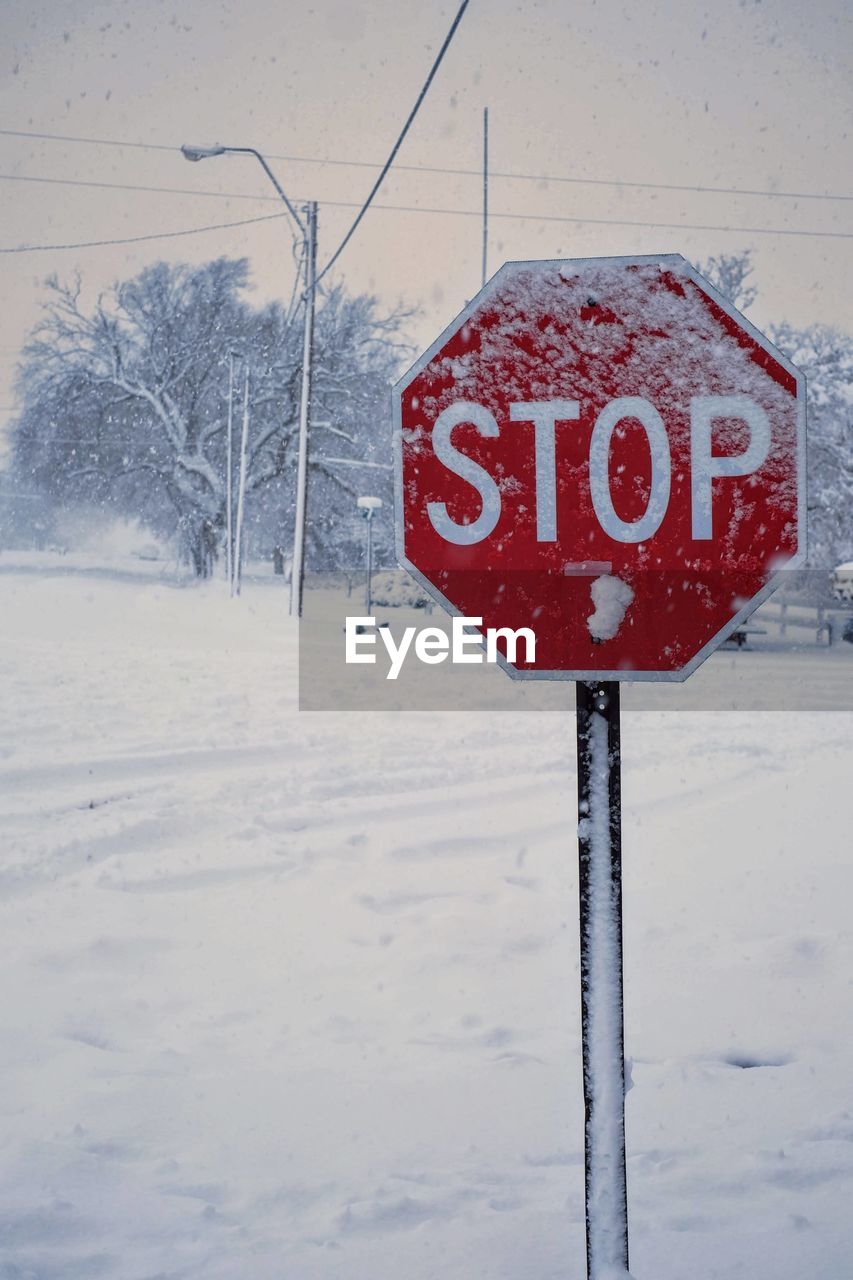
(600, 857)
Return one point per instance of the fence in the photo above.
(826, 619)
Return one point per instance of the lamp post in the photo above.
(368, 508)
(309, 238)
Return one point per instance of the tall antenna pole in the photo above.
(229, 483)
(485, 191)
(241, 490)
(296, 572)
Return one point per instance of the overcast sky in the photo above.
(728, 94)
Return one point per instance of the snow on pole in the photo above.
(241, 491)
(599, 847)
(229, 481)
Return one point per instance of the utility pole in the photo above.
(297, 570)
(485, 191)
(229, 500)
(241, 491)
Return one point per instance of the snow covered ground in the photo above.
(295, 995)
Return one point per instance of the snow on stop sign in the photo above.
(605, 451)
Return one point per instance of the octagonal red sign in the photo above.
(606, 452)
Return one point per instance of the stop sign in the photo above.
(606, 452)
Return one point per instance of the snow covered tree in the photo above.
(825, 356)
(729, 272)
(357, 354)
(125, 403)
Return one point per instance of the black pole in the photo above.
(600, 857)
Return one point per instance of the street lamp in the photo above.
(309, 239)
(368, 508)
(206, 153)
(201, 153)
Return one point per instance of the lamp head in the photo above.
(201, 153)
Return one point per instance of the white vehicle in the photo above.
(842, 582)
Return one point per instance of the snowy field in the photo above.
(295, 996)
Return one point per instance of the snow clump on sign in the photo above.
(611, 597)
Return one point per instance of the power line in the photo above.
(97, 142)
(396, 147)
(156, 235)
(132, 186)
(462, 213)
(509, 175)
(350, 204)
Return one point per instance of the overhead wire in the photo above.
(424, 209)
(132, 186)
(396, 147)
(507, 174)
(154, 235)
